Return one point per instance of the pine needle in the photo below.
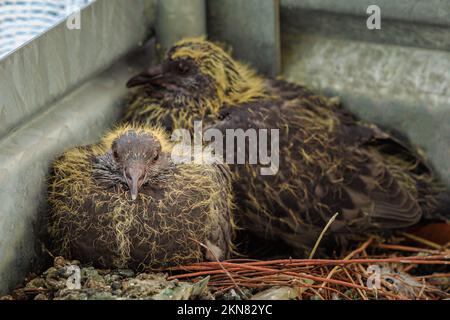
(422, 240)
(311, 255)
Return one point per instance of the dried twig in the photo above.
(324, 273)
(348, 257)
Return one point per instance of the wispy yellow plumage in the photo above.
(236, 82)
(329, 160)
(226, 82)
(94, 219)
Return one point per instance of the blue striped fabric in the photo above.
(22, 20)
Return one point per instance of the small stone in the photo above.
(59, 262)
(116, 286)
(127, 273)
(36, 283)
(276, 293)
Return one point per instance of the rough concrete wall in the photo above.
(398, 76)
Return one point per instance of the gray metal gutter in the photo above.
(47, 67)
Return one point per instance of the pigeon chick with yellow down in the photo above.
(330, 162)
(123, 202)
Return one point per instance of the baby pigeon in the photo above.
(330, 162)
(124, 202)
(375, 183)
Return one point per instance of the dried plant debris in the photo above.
(294, 279)
(68, 280)
(374, 270)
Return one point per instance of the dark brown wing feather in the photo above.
(328, 164)
(287, 90)
(376, 193)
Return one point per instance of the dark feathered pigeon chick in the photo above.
(376, 183)
(329, 161)
(195, 81)
(124, 203)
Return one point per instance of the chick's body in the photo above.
(180, 208)
(326, 166)
(329, 160)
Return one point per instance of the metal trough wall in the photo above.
(398, 76)
(50, 101)
(65, 87)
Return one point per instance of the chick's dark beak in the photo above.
(135, 175)
(150, 76)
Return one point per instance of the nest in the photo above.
(387, 273)
(374, 270)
